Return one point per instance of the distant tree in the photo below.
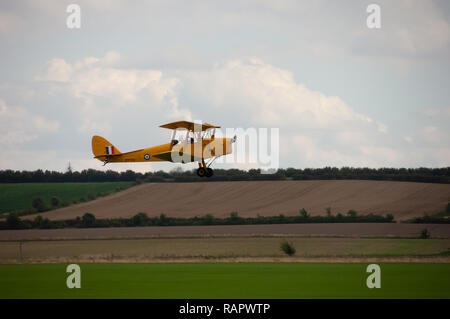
(88, 219)
(352, 213)
(425, 234)
(304, 213)
(139, 219)
(208, 219)
(38, 221)
(234, 215)
(13, 220)
(69, 168)
(39, 204)
(177, 171)
(162, 219)
(287, 247)
(55, 201)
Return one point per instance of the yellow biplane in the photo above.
(198, 144)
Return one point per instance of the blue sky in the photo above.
(340, 93)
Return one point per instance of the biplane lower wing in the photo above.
(177, 157)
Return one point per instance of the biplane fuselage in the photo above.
(179, 153)
(200, 144)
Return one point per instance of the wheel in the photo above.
(209, 172)
(201, 172)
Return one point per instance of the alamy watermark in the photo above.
(373, 20)
(374, 279)
(251, 147)
(74, 279)
(73, 20)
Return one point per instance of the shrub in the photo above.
(328, 212)
(65, 204)
(234, 215)
(425, 234)
(139, 219)
(38, 220)
(162, 220)
(234, 219)
(287, 247)
(39, 204)
(208, 219)
(351, 213)
(304, 213)
(88, 220)
(55, 201)
(13, 220)
(91, 196)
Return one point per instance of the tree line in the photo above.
(88, 220)
(427, 175)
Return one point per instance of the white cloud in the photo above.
(104, 92)
(57, 70)
(435, 135)
(316, 129)
(18, 125)
(267, 95)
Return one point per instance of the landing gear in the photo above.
(204, 171)
(209, 172)
(201, 172)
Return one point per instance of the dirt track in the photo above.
(402, 199)
(312, 230)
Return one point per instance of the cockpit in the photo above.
(180, 136)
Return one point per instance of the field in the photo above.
(366, 230)
(226, 280)
(221, 249)
(270, 198)
(236, 261)
(19, 196)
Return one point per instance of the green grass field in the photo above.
(226, 280)
(20, 196)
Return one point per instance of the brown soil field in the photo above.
(268, 198)
(221, 248)
(356, 230)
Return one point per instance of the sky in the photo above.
(337, 92)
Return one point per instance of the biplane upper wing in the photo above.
(188, 125)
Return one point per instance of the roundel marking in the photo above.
(147, 157)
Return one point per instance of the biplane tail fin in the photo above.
(101, 147)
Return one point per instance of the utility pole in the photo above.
(20, 251)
